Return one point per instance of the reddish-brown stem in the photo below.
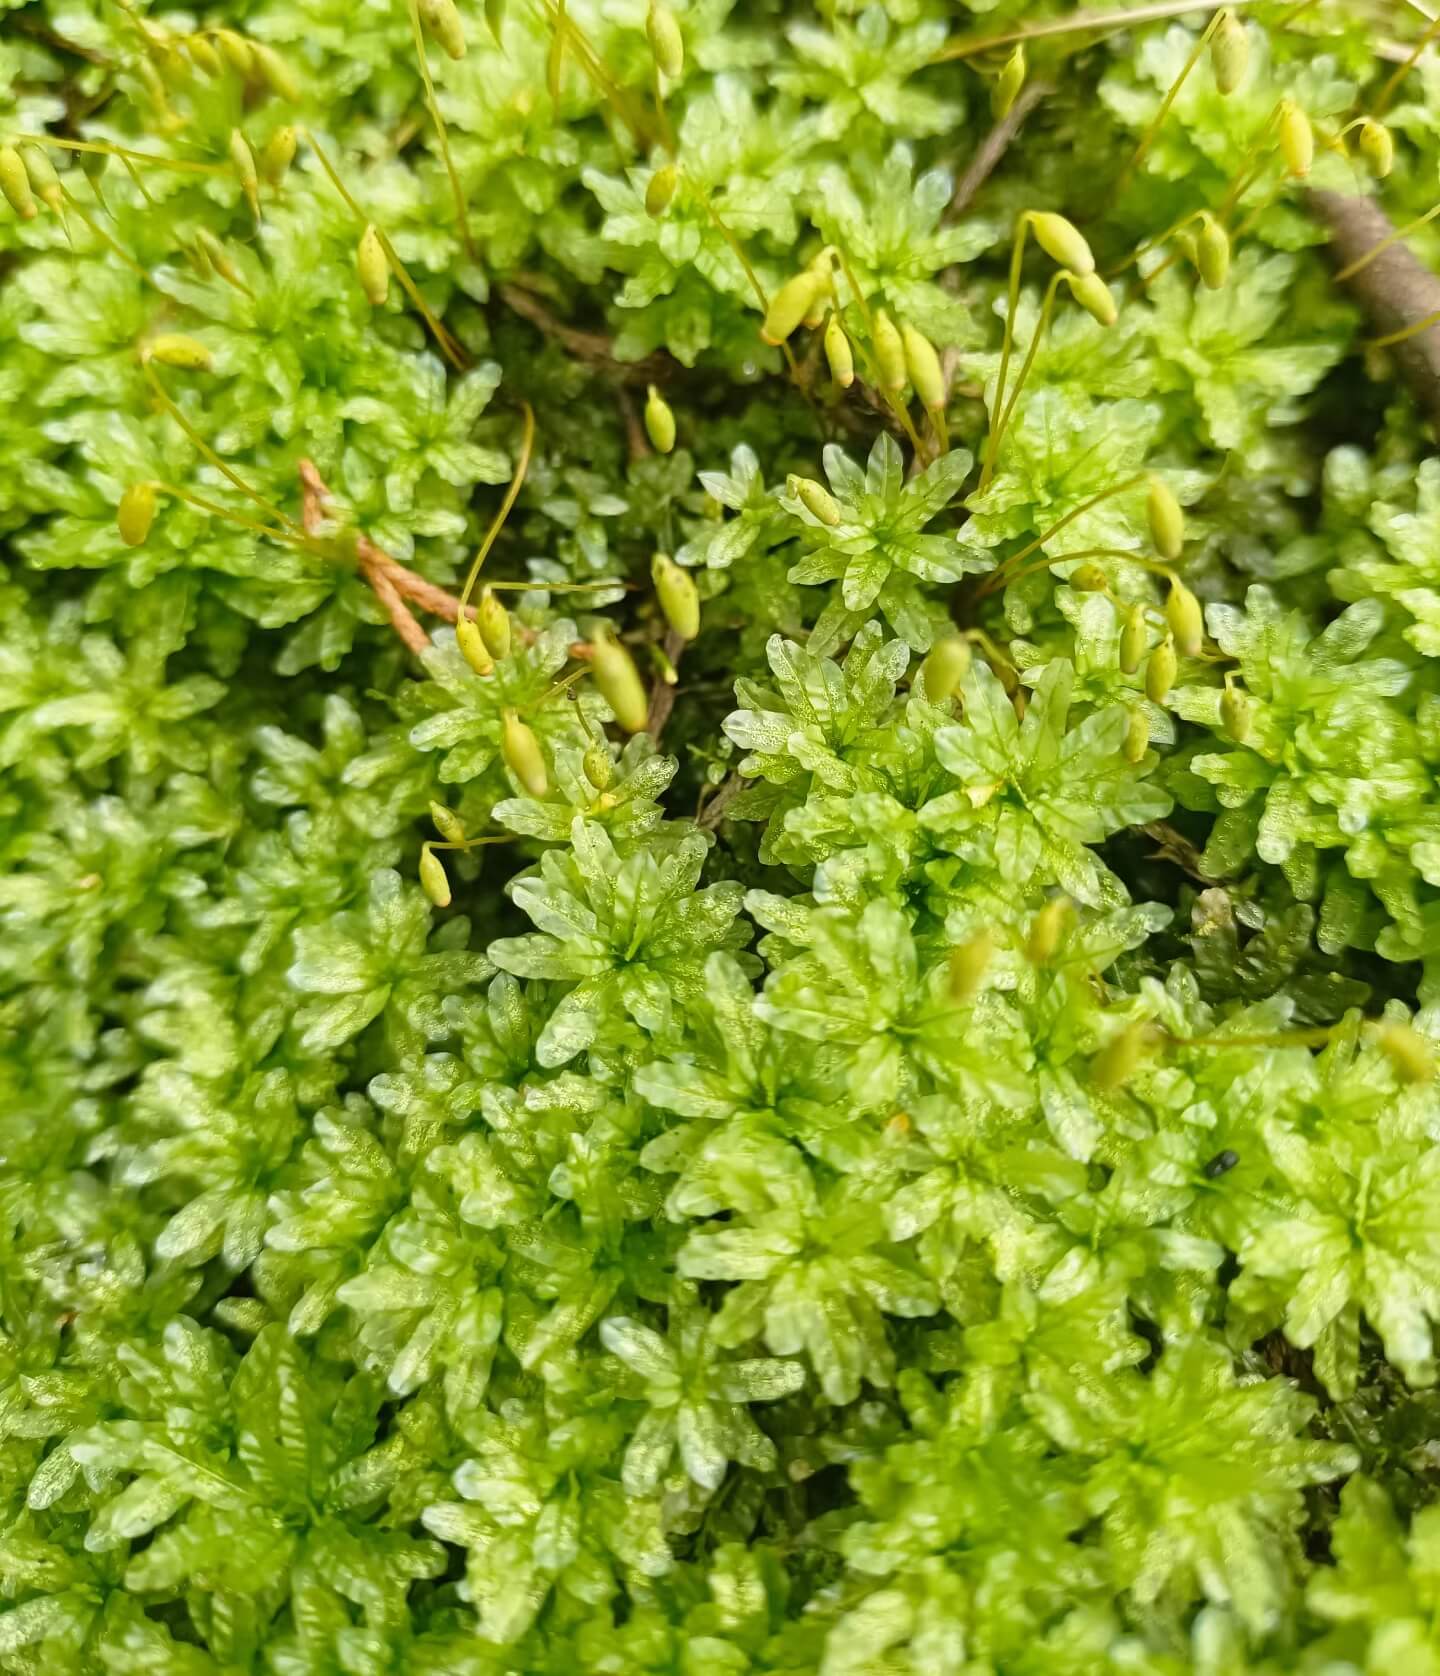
(401, 618)
(391, 581)
(407, 583)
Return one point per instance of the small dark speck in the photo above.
(1220, 1164)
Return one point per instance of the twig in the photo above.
(594, 347)
(714, 811)
(662, 694)
(636, 442)
(1394, 288)
(1173, 846)
(951, 361)
(982, 165)
(994, 146)
(60, 43)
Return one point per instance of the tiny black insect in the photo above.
(1220, 1163)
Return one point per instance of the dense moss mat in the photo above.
(842, 1085)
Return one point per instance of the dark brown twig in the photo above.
(662, 694)
(982, 165)
(711, 815)
(593, 347)
(1173, 846)
(1395, 289)
(61, 43)
(636, 442)
(994, 146)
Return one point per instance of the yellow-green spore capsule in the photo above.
(1062, 241)
(968, 964)
(433, 880)
(1407, 1050)
(447, 823)
(442, 21)
(618, 682)
(15, 183)
(659, 422)
(789, 306)
(1229, 52)
(236, 51)
(1212, 253)
(1009, 82)
(1377, 147)
(373, 267)
(946, 665)
(1088, 578)
(275, 72)
(1166, 520)
(523, 756)
(204, 55)
(43, 177)
(889, 353)
(1134, 638)
(136, 513)
(660, 190)
(218, 258)
(817, 501)
(1297, 139)
(1137, 736)
(472, 646)
(824, 272)
(246, 170)
(1094, 296)
(598, 766)
(1046, 930)
(1160, 671)
(838, 353)
(923, 366)
(178, 349)
(1187, 623)
(1236, 713)
(171, 63)
(276, 156)
(666, 41)
(1117, 1062)
(679, 598)
(494, 621)
(155, 88)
